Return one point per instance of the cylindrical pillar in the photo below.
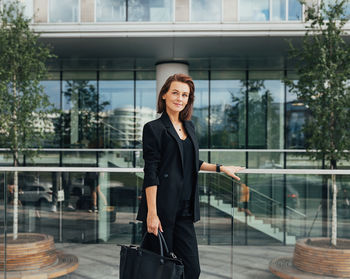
(166, 69)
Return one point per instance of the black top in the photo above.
(189, 170)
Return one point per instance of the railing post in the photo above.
(284, 210)
(233, 212)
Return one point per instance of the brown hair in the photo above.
(186, 113)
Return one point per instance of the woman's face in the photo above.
(177, 96)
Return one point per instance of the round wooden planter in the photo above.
(34, 255)
(322, 261)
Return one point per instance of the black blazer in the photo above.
(163, 156)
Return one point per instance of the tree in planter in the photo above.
(24, 108)
(323, 70)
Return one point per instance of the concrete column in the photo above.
(166, 69)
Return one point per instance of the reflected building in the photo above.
(122, 128)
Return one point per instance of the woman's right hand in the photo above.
(153, 223)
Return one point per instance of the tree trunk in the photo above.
(15, 190)
(15, 206)
(334, 210)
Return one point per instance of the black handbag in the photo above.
(139, 263)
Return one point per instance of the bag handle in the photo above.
(161, 243)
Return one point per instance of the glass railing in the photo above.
(128, 158)
(88, 210)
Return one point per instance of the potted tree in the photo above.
(24, 108)
(323, 70)
(25, 122)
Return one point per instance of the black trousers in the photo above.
(181, 239)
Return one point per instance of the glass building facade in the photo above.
(105, 85)
(231, 107)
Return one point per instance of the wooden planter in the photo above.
(322, 261)
(34, 255)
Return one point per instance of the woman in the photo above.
(170, 200)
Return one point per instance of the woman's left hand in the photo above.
(231, 171)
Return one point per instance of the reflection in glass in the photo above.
(275, 113)
(295, 118)
(257, 103)
(110, 10)
(206, 10)
(52, 90)
(80, 110)
(265, 110)
(346, 6)
(117, 111)
(254, 10)
(200, 115)
(63, 11)
(227, 111)
(28, 8)
(276, 199)
(265, 160)
(278, 10)
(146, 100)
(151, 10)
(294, 10)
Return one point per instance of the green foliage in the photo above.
(323, 69)
(24, 108)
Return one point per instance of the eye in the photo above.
(185, 95)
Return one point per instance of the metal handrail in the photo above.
(265, 197)
(140, 149)
(134, 170)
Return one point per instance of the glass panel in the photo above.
(278, 10)
(257, 112)
(346, 6)
(28, 8)
(45, 158)
(200, 115)
(275, 111)
(303, 197)
(52, 88)
(227, 111)
(265, 110)
(118, 159)
(301, 161)
(110, 10)
(254, 10)
(73, 158)
(215, 227)
(146, 102)
(63, 11)
(265, 160)
(264, 203)
(80, 110)
(150, 10)
(99, 209)
(206, 10)
(295, 118)
(227, 157)
(295, 10)
(116, 106)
